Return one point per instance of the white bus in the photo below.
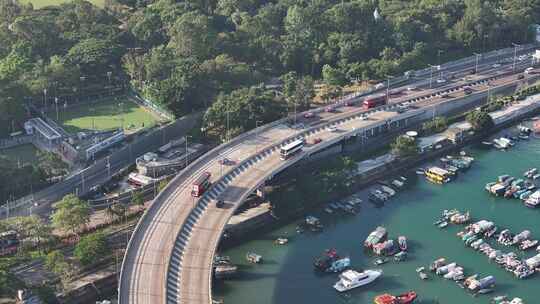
(291, 148)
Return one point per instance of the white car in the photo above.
(411, 88)
(496, 65)
(441, 80)
(332, 129)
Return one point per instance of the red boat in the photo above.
(405, 298)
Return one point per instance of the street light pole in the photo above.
(515, 54)
(109, 166)
(476, 65)
(45, 98)
(186, 156)
(430, 76)
(56, 102)
(388, 87)
(257, 136)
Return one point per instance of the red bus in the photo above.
(374, 101)
(201, 184)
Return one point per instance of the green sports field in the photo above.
(105, 115)
(42, 3)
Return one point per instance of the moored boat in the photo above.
(375, 237)
(351, 279)
(404, 298)
(402, 241)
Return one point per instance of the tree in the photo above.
(31, 229)
(298, 91)
(479, 120)
(91, 248)
(137, 198)
(54, 261)
(162, 184)
(242, 110)
(404, 146)
(70, 214)
(192, 35)
(51, 163)
(94, 55)
(437, 124)
(333, 76)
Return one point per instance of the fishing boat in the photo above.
(485, 290)
(420, 171)
(437, 263)
(402, 242)
(400, 256)
(438, 175)
(397, 183)
(351, 279)
(499, 299)
(375, 237)
(391, 192)
(442, 225)
(445, 269)
(328, 210)
(533, 200)
(281, 241)
(460, 218)
(423, 275)
(254, 258)
(380, 261)
(528, 244)
(405, 298)
(225, 271)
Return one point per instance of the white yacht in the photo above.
(350, 279)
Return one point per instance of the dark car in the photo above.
(220, 204)
(521, 76)
(226, 162)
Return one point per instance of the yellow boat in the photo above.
(438, 175)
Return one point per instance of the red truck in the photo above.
(201, 184)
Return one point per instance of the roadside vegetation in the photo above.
(436, 125)
(404, 146)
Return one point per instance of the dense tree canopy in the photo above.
(183, 55)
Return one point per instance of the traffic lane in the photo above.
(195, 278)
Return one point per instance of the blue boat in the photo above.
(339, 265)
(518, 193)
(525, 195)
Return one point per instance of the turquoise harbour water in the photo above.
(287, 275)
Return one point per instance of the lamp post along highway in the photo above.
(388, 86)
(430, 76)
(56, 102)
(186, 156)
(476, 64)
(515, 55)
(257, 135)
